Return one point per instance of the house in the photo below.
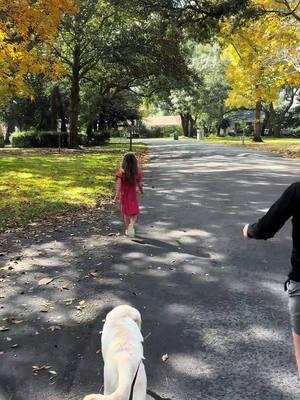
(166, 120)
(241, 119)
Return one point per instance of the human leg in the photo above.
(133, 219)
(296, 340)
(294, 310)
(126, 222)
(131, 230)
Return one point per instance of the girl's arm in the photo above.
(118, 189)
(140, 186)
(140, 182)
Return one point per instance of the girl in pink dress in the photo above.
(128, 179)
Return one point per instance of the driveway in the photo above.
(210, 300)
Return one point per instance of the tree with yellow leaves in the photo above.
(27, 28)
(282, 8)
(261, 57)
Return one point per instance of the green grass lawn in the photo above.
(286, 146)
(36, 183)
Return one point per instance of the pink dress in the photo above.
(128, 195)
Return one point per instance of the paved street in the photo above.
(210, 300)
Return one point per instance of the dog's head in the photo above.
(125, 311)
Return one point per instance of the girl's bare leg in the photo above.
(133, 219)
(126, 221)
(297, 350)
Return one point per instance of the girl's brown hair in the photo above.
(130, 167)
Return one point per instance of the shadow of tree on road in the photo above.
(209, 300)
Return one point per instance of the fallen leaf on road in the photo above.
(61, 288)
(69, 301)
(4, 328)
(54, 328)
(52, 372)
(36, 369)
(14, 346)
(81, 305)
(9, 339)
(17, 321)
(45, 281)
(98, 352)
(165, 357)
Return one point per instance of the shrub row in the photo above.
(99, 138)
(50, 139)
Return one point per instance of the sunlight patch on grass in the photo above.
(286, 146)
(34, 186)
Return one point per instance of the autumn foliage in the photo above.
(27, 28)
(262, 57)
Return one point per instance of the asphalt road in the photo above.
(210, 300)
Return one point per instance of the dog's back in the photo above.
(122, 352)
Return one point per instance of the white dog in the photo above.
(122, 351)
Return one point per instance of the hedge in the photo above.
(159, 131)
(43, 139)
(99, 138)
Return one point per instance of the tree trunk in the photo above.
(10, 129)
(63, 119)
(101, 122)
(95, 125)
(220, 119)
(89, 130)
(278, 126)
(191, 126)
(184, 124)
(54, 109)
(271, 119)
(257, 129)
(75, 99)
(281, 117)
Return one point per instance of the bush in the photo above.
(100, 138)
(83, 139)
(24, 139)
(159, 131)
(118, 132)
(38, 139)
(295, 132)
(50, 139)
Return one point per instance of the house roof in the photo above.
(162, 120)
